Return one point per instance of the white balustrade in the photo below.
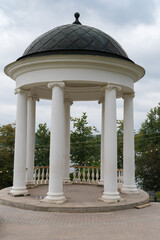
(88, 176)
(81, 175)
(97, 175)
(47, 176)
(35, 177)
(85, 175)
(120, 177)
(83, 179)
(41, 175)
(74, 176)
(93, 181)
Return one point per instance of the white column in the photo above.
(19, 183)
(110, 193)
(128, 147)
(66, 177)
(55, 193)
(102, 144)
(31, 106)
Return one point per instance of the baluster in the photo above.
(46, 181)
(42, 177)
(39, 174)
(35, 177)
(88, 177)
(48, 174)
(93, 176)
(97, 175)
(122, 175)
(83, 176)
(118, 176)
(74, 176)
(79, 175)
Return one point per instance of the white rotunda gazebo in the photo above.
(73, 63)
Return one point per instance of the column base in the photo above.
(129, 189)
(56, 198)
(110, 197)
(67, 181)
(101, 182)
(119, 187)
(30, 185)
(17, 191)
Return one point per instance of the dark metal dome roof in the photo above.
(75, 39)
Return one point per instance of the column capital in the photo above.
(33, 97)
(56, 84)
(101, 101)
(67, 100)
(128, 95)
(19, 90)
(112, 86)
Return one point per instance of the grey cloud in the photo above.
(126, 12)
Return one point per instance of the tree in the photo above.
(7, 136)
(42, 145)
(148, 151)
(149, 132)
(148, 170)
(85, 146)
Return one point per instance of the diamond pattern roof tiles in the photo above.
(73, 38)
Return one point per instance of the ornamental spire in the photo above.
(77, 15)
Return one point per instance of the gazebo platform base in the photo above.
(80, 198)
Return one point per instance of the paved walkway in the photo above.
(132, 224)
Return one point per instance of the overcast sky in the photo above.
(135, 24)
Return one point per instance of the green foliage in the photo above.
(149, 132)
(7, 136)
(148, 170)
(85, 146)
(120, 144)
(148, 151)
(42, 145)
(158, 195)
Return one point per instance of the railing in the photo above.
(119, 177)
(41, 175)
(80, 175)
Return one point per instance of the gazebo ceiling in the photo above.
(75, 39)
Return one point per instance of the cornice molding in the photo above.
(120, 66)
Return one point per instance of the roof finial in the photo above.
(77, 15)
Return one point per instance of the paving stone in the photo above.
(131, 224)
